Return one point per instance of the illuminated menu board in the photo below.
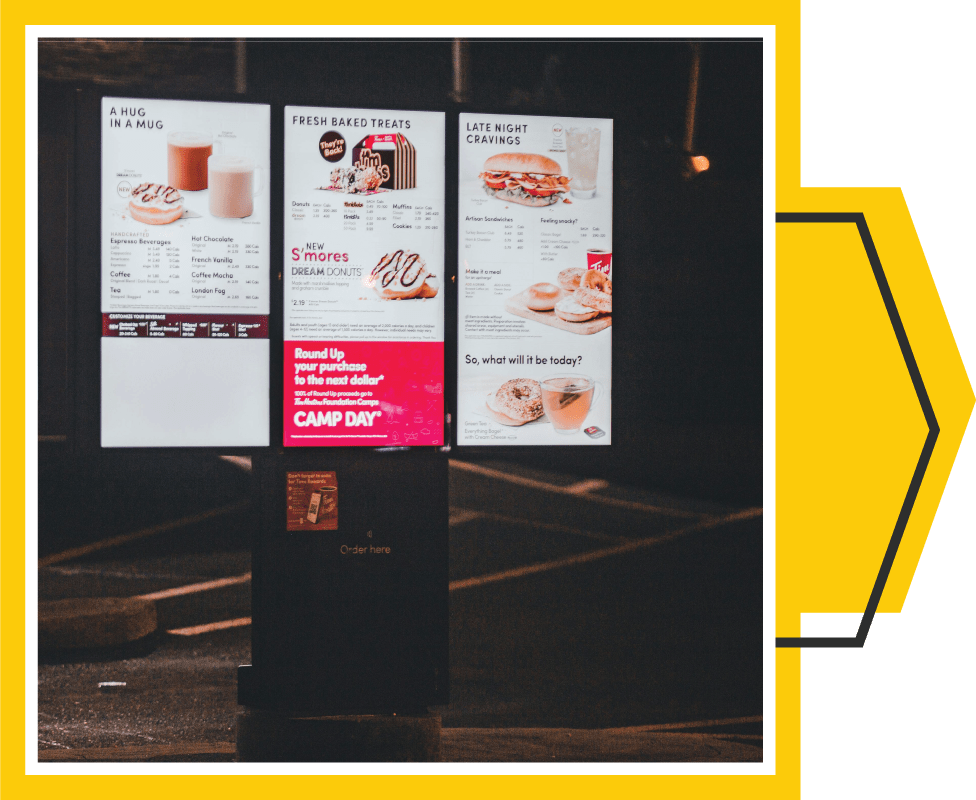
(535, 280)
(364, 271)
(185, 273)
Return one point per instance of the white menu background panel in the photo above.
(504, 248)
(197, 374)
(184, 392)
(334, 239)
(201, 262)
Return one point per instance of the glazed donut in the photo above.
(520, 399)
(571, 311)
(156, 204)
(542, 296)
(569, 279)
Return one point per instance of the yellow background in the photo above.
(849, 430)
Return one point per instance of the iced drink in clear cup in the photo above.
(583, 152)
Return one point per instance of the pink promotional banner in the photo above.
(379, 394)
(364, 278)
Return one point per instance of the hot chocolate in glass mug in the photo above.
(232, 185)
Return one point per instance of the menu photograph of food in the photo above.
(535, 280)
(185, 206)
(364, 271)
(185, 272)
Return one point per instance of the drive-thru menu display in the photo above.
(185, 283)
(364, 271)
(535, 280)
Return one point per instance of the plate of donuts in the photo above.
(579, 302)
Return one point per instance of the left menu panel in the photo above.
(185, 273)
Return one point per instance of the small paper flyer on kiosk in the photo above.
(364, 271)
(535, 280)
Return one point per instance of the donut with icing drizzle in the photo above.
(156, 204)
(402, 275)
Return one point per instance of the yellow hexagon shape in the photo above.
(839, 358)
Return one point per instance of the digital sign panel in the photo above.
(535, 280)
(185, 283)
(364, 272)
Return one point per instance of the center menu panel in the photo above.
(535, 289)
(364, 266)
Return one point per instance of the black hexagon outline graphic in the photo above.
(923, 460)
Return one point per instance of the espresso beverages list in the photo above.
(364, 271)
(185, 272)
(535, 280)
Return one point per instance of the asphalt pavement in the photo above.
(589, 622)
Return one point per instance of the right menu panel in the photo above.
(535, 291)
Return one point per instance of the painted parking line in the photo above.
(193, 588)
(702, 723)
(588, 495)
(140, 753)
(125, 538)
(458, 516)
(210, 627)
(510, 574)
(241, 462)
(583, 489)
(591, 485)
(547, 526)
(739, 737)
(607, 552)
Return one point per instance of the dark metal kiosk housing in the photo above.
(349, 619)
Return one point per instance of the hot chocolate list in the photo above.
(165, 274)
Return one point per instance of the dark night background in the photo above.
(687, 252)
(668, 631)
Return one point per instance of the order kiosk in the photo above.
(277, 280)
(237, 241)
(352, 587)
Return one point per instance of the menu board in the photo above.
(185, 273)
(535, 280)
(364, 272)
